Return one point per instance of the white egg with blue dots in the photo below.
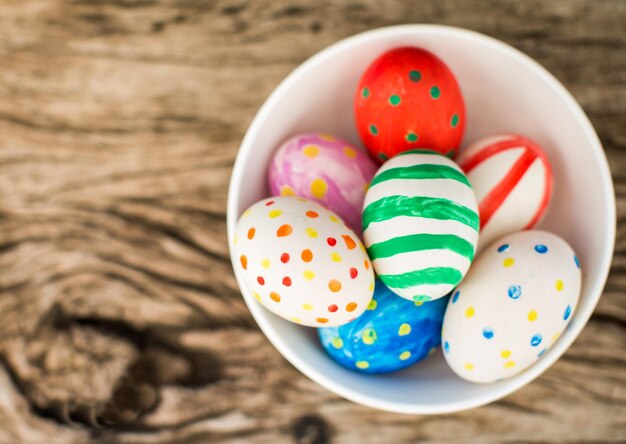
(514, 303)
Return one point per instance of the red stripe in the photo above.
(500, 192)
(485, 153)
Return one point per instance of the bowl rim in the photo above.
(569, 335)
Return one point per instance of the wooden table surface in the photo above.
(120, 319)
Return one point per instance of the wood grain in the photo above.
(120, 319)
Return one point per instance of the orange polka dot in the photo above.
(312, 214)
(334, 285)
(321, 320)
(244, 262)
(367, 264)
(251, 232)
(351, 306)
(284, 230)
(350, 244)
(306, 255)
(275, 296)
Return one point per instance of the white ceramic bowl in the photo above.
(505, 91)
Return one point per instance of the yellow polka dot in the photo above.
(469, 366)
(508, 262)
(286, 190)
(337, 342)
(308, 275)
(333, 218)
(404, 329)
(372, 305)
(311, 151)
(405, 355)
(556, 336)
(257, 296)
(559, 285)
(418, 303)
(335, 257)
(246, 213)
(326, 137)
(362, 364)
(311, 232)
(469, 312)
(369, 336)
(265, 263)
(372, 286)
(532, 315)
(349, 152)
(509, 364)
(505, 353)
(274, 213)
(319, 188)
(296, 320)
(307, 307)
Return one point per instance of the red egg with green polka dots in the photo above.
(407, 99)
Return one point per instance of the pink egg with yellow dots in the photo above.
(325, 169)
(302, 262)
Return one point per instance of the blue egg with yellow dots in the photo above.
(392, 334)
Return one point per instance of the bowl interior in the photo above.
(504, 91)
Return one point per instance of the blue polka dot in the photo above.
(541, 249)
(515, 291)
(568, 312)
(446, 347)
(503, 247)
(541, 353)
(488, 332)
(455, 296)
(576, 261)
(536, 340)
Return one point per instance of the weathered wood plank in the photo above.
(120, 320)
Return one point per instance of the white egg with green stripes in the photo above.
(420, 222)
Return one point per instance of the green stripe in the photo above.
(419, 206)
(425, 276)
(420, 242)
(423, 171)
(419, 151)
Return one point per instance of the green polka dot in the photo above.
(454, 121)
(434, 92)
(422, 298)
(337, 342)
(365, 93)
(373, 130)
(382, 156)
(369, 336)
(415, 76)
(411, 137)
(394, 100)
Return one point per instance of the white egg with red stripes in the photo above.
(512, 179)
(420, 222)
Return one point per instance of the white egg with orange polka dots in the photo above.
(302, 262)
(514, 303)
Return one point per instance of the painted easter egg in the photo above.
(408, 98)
(512, 180)
(420, 222)
(302, 262)
(513, 304)
(326, 169)
(392, 334)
